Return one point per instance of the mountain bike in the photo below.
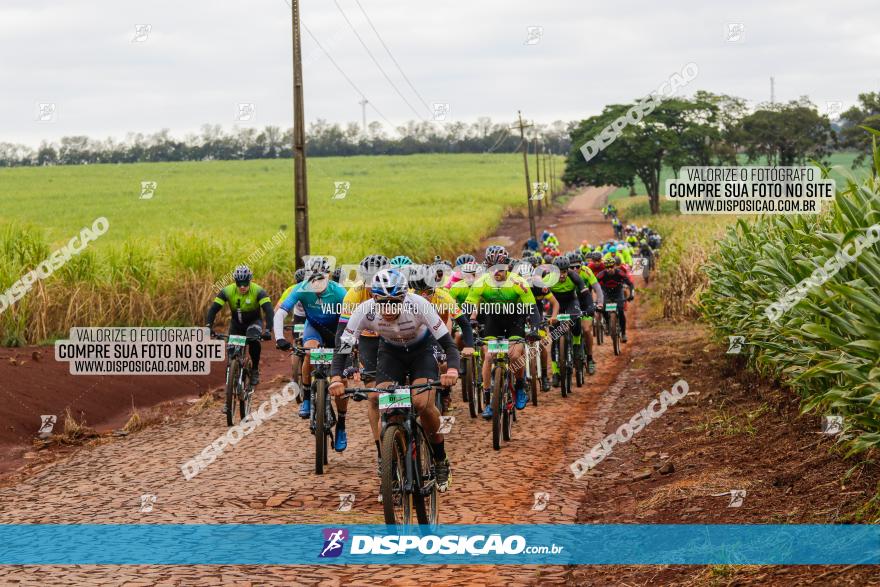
(238, 376)
(565, 355)
(613, 326)
(579, 356)
(599, 327)
(502, 390)
(322, 417)
(408, 479)
(533, 368)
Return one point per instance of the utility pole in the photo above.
(363, 104)
(522, 126)
(544, 151)
(538, 174)
(300, 194)
(772, 90)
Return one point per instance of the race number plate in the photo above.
(237, 340)
(299, 328)
(498, 345)
(564, 317)
(394, 400)
(321, 356)
(610, 307)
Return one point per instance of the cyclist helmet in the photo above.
(612, 249)
(526, 253)
(617, 261)
(596, 255)
(496, 255)
(242, 275)
(401, 261)
(418, 278)
(561, 263)
(317, 266)
(299, 275)
(337, 274)
(389, 283)
(512, 263)
(575, 258)
(523, 269)
(372, 263)
(533, 260)
(464, 258)
(472, 267)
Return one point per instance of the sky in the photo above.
(85, 68)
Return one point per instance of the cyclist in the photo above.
(613, 279)
(576, 260)
(245, 300)
(450, 313)
(322, 301)
(406, 324)
(456, 276)
(618, 228)
(542, 295)
(573, 296)
(299, 317)
(506, 301)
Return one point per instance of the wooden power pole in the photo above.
(544, 151)
(300, 187)
(522, 135)
(538, 175)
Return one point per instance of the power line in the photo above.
(367, 49)
(348, 79)
(500, 139)
(387, 50)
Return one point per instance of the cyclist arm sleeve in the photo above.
(467, 334)
(600, 296)
(452, 357)
(582, 292)
(216, 306)
(278, 323)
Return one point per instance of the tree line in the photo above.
(711, 129)
(323, 139)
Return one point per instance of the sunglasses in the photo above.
(242, 283)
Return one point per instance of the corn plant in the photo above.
(827, 346)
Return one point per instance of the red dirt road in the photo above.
(268, 477)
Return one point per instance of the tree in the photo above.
(786, 134)
(866, 113)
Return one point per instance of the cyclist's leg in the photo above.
(311, 340)
(621, 312)
(368, 349)
(253, 332)
(390, 371)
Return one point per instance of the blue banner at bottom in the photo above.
(587, 544)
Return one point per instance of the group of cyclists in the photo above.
(403, 323)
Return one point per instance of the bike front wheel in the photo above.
(321, 443)
(396, 503)
(231, 384)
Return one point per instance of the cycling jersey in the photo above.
(245, 307)
(321, 310)
(417, 318)
(445, 305)
(513, 289)
(612, 280)
(459, 291)
(355, 296)
(587, 275)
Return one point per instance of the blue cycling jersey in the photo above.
(322, 310)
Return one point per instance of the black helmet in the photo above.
(561, 262)
(533, 260)
(496, 255)
(337, 274)
(242, 275)
(596, 256)
(575, 258)
(299, 275)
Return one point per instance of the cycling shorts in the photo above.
(368, 349)
(322, 334)
(397, 364)
(505, 325)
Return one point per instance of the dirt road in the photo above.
(268, 477)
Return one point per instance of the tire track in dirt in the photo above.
(268, 477)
